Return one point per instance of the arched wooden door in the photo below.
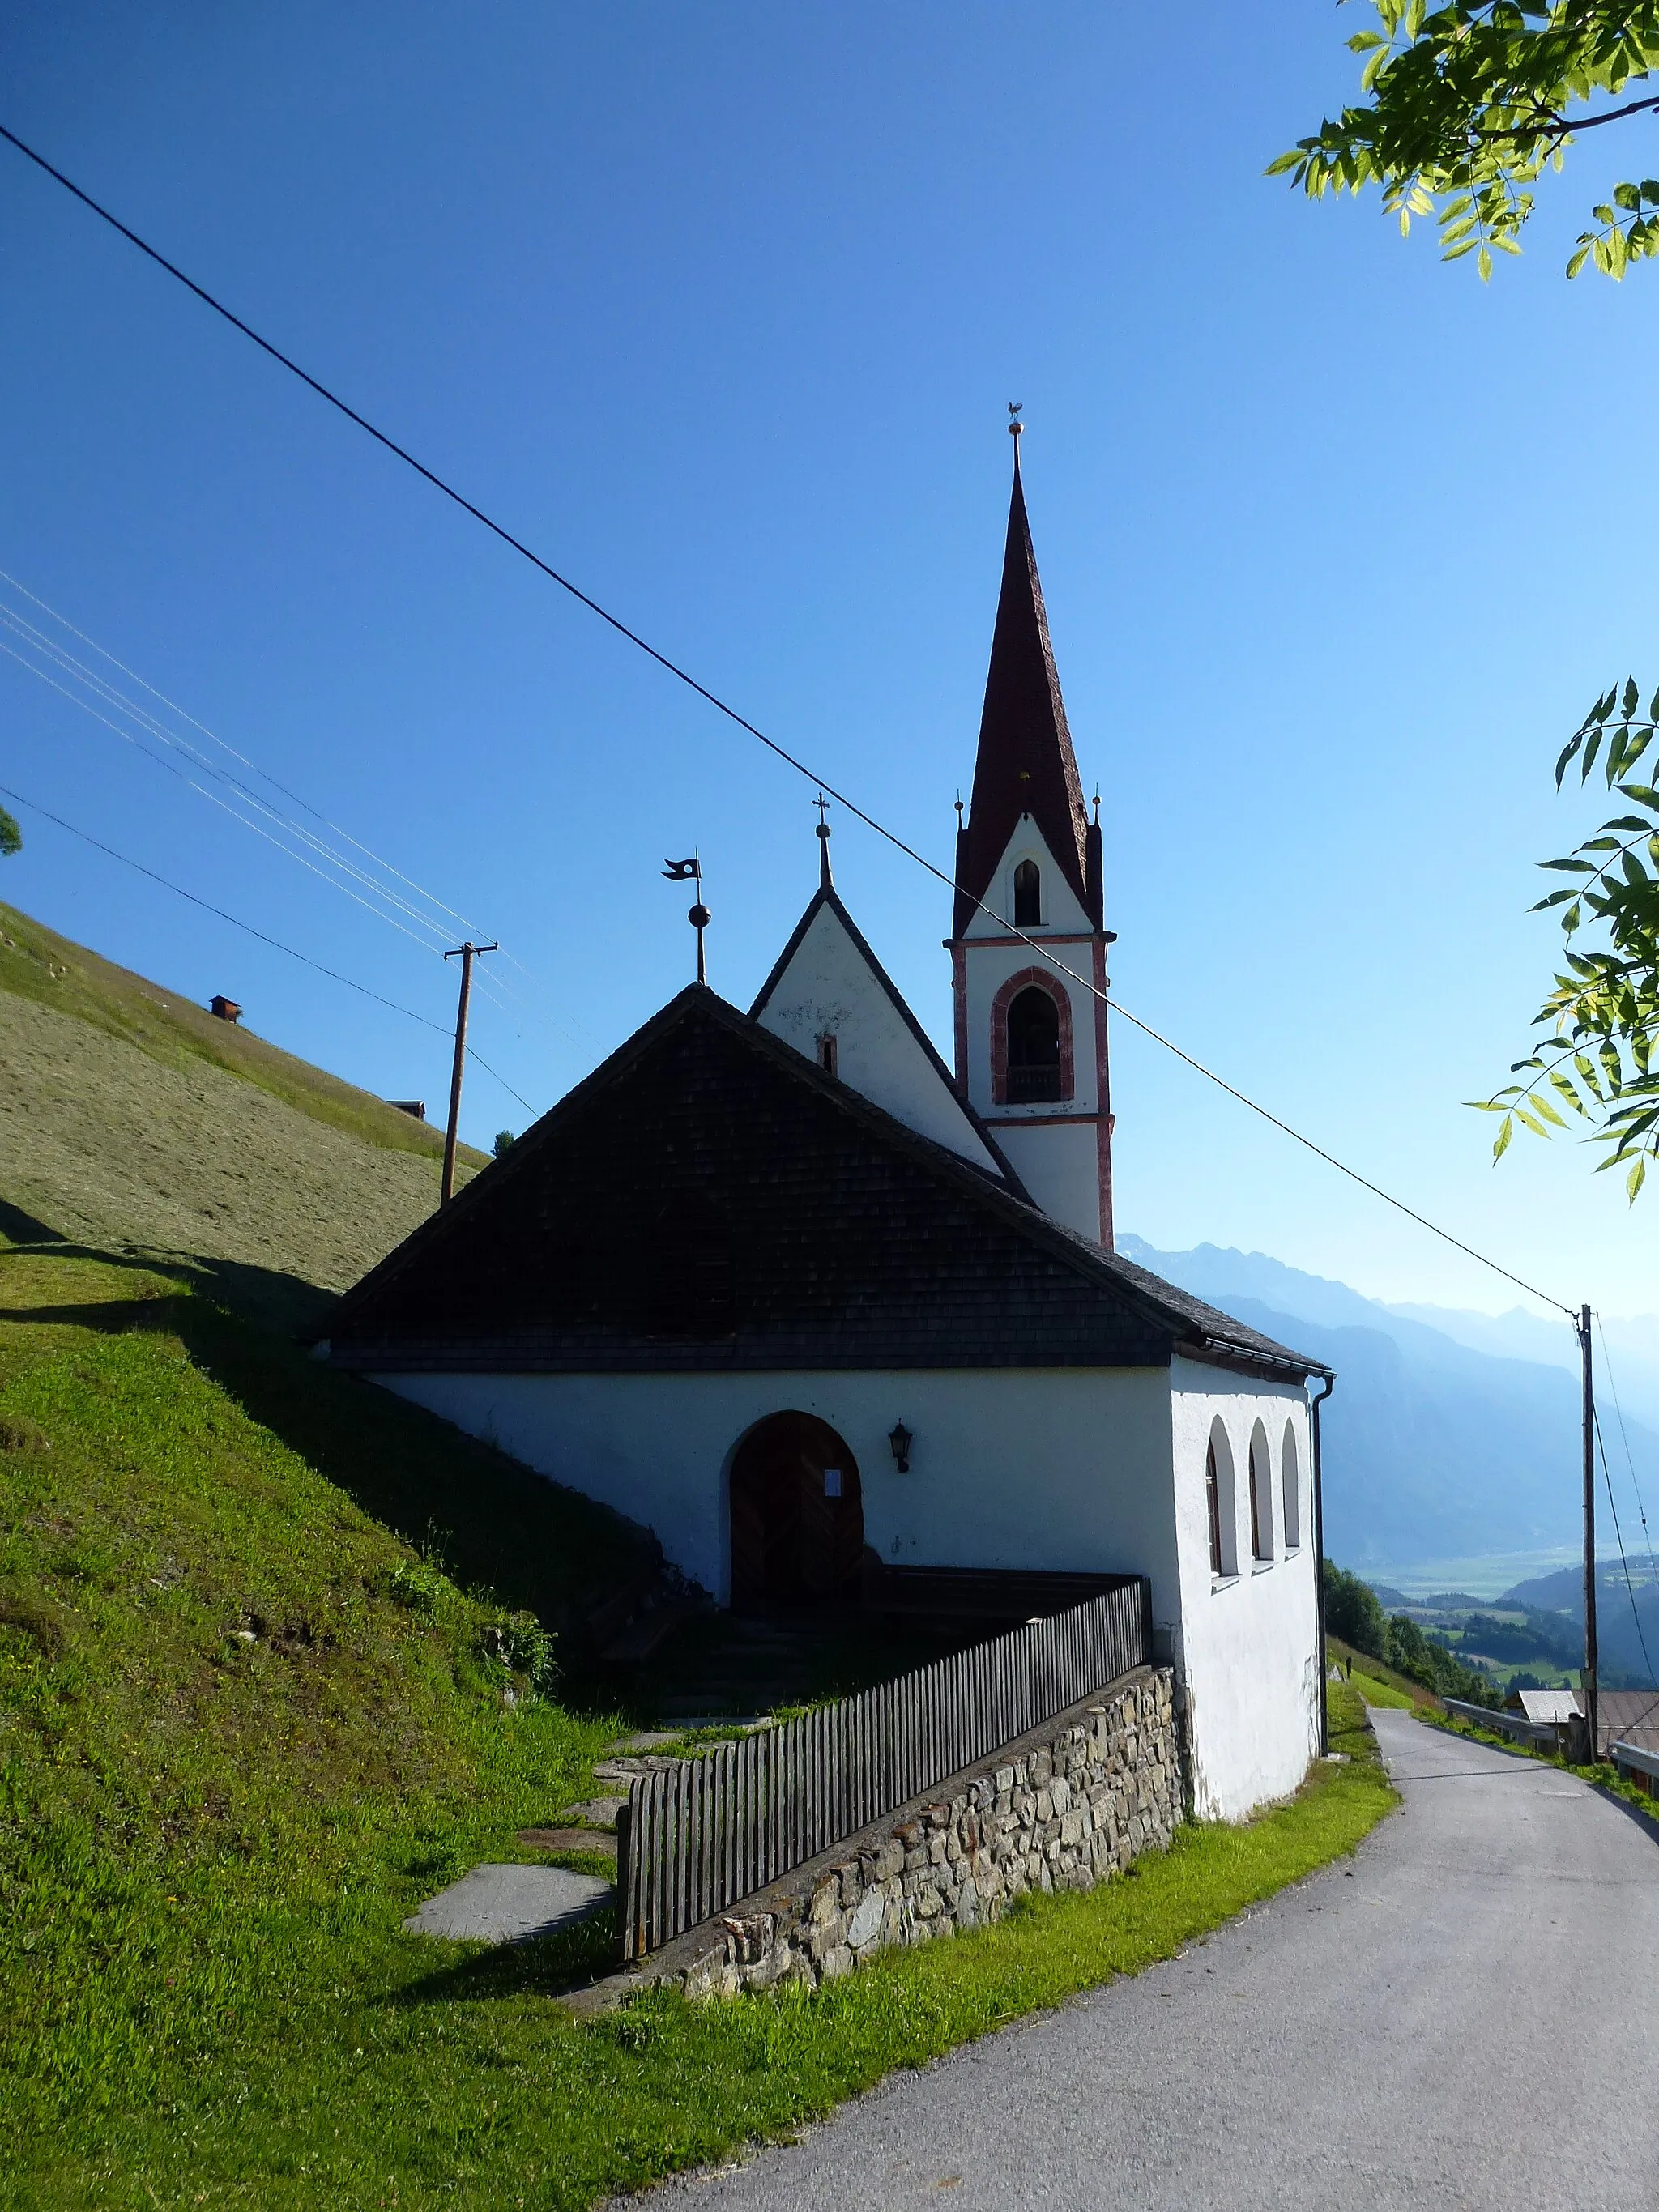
(797, 1515)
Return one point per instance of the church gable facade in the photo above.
(830, 998)
(783, 1287)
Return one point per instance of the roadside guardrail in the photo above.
(1538, 1735)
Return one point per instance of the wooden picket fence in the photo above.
(696, 1837)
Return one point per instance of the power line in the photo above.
(1630, 1458)
(113, 697)
(742, 721)
(235, 921)
(211, 797)
(110, 694)
(1318, 1151)
(1630, 1588)
(172, 706)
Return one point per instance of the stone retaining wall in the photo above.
(1067, 1806)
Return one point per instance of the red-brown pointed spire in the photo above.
(1025, 764)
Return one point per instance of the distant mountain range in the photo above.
(1435, 1447)
(1626, 1614)
(1626, 1350)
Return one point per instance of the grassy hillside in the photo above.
(130, 1118)
(246, 1723)
(1379, 1683)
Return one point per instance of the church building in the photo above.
(831, 1318)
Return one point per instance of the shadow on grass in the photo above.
(547, 1966)
(285, 1302)
(114, 1316)
(488, 1521)
(20, 1227)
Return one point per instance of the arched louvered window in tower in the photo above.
(1033, 1046)
(1028, 895)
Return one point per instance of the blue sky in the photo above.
(720, 308)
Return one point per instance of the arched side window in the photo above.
(1028, 895)
(1031, 1058)
(1291, 1479)
(1212, 1497)
(1219, 1493)
(1261, 1496)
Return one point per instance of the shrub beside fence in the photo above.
(696, 1837)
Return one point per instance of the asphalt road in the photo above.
(1469, 2017)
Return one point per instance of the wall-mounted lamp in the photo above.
(899, 1437)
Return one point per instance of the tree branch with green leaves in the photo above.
(1465, 105)
(1603, 1013)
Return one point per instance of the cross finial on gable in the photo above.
(825, 881)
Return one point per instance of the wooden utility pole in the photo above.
(464, 954)
(1592, 1715)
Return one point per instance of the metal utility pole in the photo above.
(1592, 1715)
(464, 954)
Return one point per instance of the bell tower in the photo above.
(1031, 1041)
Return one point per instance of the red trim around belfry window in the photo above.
(1005, 998)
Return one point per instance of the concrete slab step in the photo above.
(510, 1905)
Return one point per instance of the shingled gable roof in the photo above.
(856, 1244)
(827, 897)
(1025, 764)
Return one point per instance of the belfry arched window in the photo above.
(1033, 1046)
(1028, 895)
(1031, 1061)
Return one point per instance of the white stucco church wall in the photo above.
(1248, 1638)
(1018, 1467)
(1064, 1469)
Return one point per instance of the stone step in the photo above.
(510, 1905)
(596, 1812)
